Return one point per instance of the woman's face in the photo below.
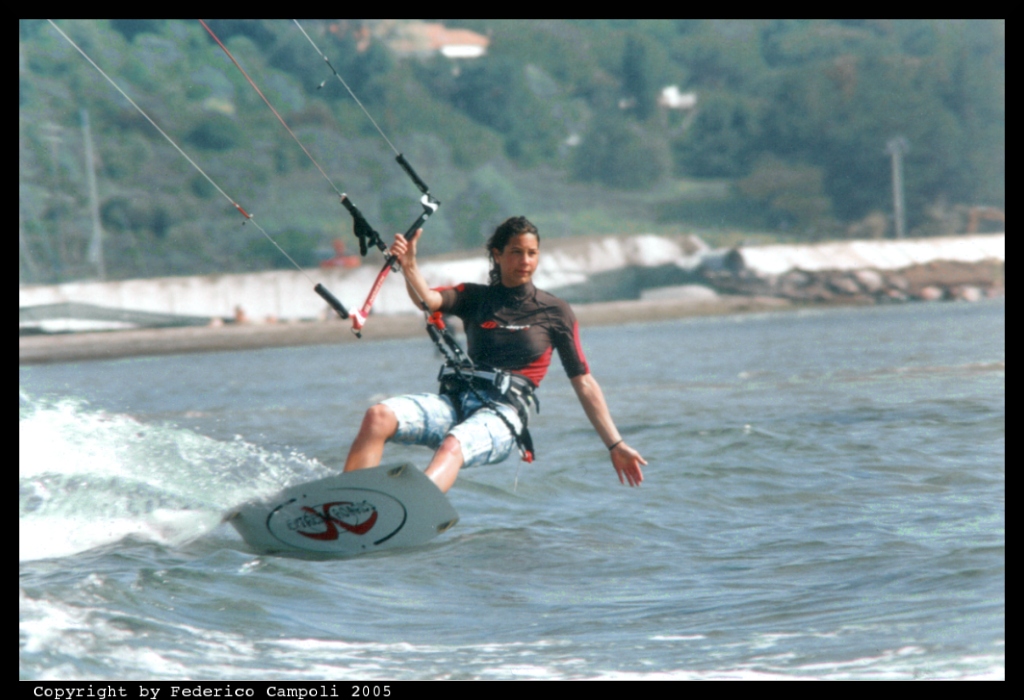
(519, 260)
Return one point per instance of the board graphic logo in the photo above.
(352, 517)
(357, 518)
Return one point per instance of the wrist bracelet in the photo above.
(612, 447)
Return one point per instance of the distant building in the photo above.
(426, 38)
(671, 98)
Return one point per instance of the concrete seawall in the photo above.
(613, 271)
(874, 255)
(77, 347)
(288, 295)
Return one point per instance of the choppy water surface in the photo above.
(825, 498)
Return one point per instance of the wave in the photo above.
(88, 478)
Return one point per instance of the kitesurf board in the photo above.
(350, 513)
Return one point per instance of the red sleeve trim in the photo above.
(538, 369)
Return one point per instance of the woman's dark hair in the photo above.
(513, 226)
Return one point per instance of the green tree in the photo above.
(620, 154)
(839, 115)
(259, 253)
(723, 55)
(794, 194)
(574, 53)
(974, 55)
(644, 69)
(723, 139)
(130, 27)
(494, 92)
(489, 199)
(215, 132)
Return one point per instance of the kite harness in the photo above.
(459, 374)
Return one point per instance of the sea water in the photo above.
(825, 498)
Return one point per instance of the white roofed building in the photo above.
(427, 38)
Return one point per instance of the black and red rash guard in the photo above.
(516, 328)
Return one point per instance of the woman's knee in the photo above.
(451, 446)
(380, 421)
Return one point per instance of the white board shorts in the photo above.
(427, 419)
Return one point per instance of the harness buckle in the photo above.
(502, 381)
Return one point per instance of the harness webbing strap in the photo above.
(459, 376)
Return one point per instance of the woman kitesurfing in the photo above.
(481, 411)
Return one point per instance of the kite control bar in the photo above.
(360, 315)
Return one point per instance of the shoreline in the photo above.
(111, 345)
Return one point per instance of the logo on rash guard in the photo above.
(491, 325)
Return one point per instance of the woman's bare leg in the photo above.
(379, 424)
(445, 465)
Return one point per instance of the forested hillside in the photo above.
(779, 130)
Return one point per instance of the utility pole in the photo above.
(26, 254)
(896, 147)
(95, 254)
(54, 238)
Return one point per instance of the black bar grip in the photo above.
(331, 299)
(364, 232)
(430, 205)
(416, 225)
(347, 203)
(412, 173)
